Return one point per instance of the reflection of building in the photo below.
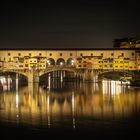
(43, 107)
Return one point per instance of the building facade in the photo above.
(98, 59)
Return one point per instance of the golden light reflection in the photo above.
(36, 106)
(112, 87)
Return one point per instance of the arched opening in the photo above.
(70, 62)
(57, 79)
(115, 75)
(9, 80)
(50, 62)
(60, 62)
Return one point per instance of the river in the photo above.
(107, 105)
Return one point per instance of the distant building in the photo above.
(127, 43)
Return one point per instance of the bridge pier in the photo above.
(89, 75)
(33, 77)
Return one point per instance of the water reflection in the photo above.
(34, 105)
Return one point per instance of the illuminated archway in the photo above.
(70, 62)
(60, 62)
(50, 62)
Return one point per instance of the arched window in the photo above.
(70, 62)
(50, 62)
(60, 62)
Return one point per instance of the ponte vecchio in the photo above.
(84, 63)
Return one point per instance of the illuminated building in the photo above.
(41, 61)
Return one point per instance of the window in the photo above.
(101, 54)
(81, 54)
(79, 65)
(132, 54)
(85, 65)
(91, 54)
(60, 54)
(50, 54)
(29, 54)
(70, 54)
(40, 54)
(19, 54)
(9, 54)
(26, 65)
(20, 66)
(122, 54)
(112, 54)
(4, 59)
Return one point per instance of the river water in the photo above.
(107, 105)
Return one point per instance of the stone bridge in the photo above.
(34, 74)
(83, 74)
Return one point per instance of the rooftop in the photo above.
(72, 49)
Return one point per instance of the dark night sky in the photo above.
(74, 24)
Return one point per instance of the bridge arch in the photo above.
(14, 72)
(57, 69)
(115, 74)
(58, 73)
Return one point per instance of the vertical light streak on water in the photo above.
(73, 110)
(64, 74)
(17, 91)
(61, 76)
(8, 82)
(49, 82)
(103, 87)
(17, 98)
(48, 110)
